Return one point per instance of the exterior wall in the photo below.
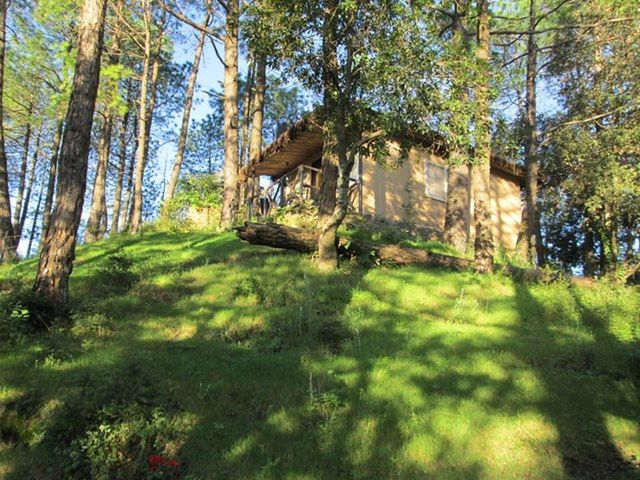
(506, 205)
(396, 192)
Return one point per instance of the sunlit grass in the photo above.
(286, 372)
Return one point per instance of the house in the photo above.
(406, 188)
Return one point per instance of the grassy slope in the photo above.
(446, 375)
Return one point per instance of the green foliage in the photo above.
(116, 274)
(22, 313)
(300, 215)
(199, 192)
(377, 230)
(120, 443)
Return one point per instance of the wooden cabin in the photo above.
(406, 188)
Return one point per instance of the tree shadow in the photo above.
(585, 382)
(423, 384)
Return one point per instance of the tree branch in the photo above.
(183, 18)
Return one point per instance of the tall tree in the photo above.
(51, 179)
(29, 188)
(257, 118)
(7, 243)
(148, 91)
(532, 244)
(34, 224)
(120, 170)
(22, 177)
(98, 209)
(229, 202)
(186, 113)
(56, 260)
(125, 217)
(97, 222)
(481, 169)
(456, 223)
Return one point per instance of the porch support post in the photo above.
(301, 181)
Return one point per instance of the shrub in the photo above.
(116, 272)
(303, 214)
(22, 312)
(126, 441)
(197, 203)
(381, 231)
(119, 423)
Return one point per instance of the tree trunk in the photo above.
(56, 259)
(7, 245)
(278, 236)
(257, 120)
(246, 112)
(481, 170)
(34, 224)
(327, 239)
(186, 115)
(122, 163)
(532, 242)
(17, 213)
(148, 88)
(126, 211)
(589, 254)
(304, 241)
(27, 195)
(456, 221)
(51, 181)
(229, 203)
(94, 231)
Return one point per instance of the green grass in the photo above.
(434, 246)
(267, 369)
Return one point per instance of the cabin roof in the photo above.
(302, 144)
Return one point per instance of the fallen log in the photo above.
(301, 240)
(278, 236)
(399, 255)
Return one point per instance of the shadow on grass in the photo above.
(278, 390)
(585, 384)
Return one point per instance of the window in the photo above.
(436, 181)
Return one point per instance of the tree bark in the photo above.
(56, 260)
(246, 113)
(305, 241)
(22, 179)
(51, 181)
(456, 221)
(98, 210)
(145, 117)
(532, 241)
(186, 116)
(481, 170)
(257, 120)
(327, 239)
(7, 245)
(97, 222)
(589, 255)
(278, 236)
(127, 210)
(29, 190)
(229, 203)
(34, 224)
(122, 162)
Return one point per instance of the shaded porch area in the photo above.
(289, 172)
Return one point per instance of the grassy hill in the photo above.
(233, 361)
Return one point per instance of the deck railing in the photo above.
(295, 187)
